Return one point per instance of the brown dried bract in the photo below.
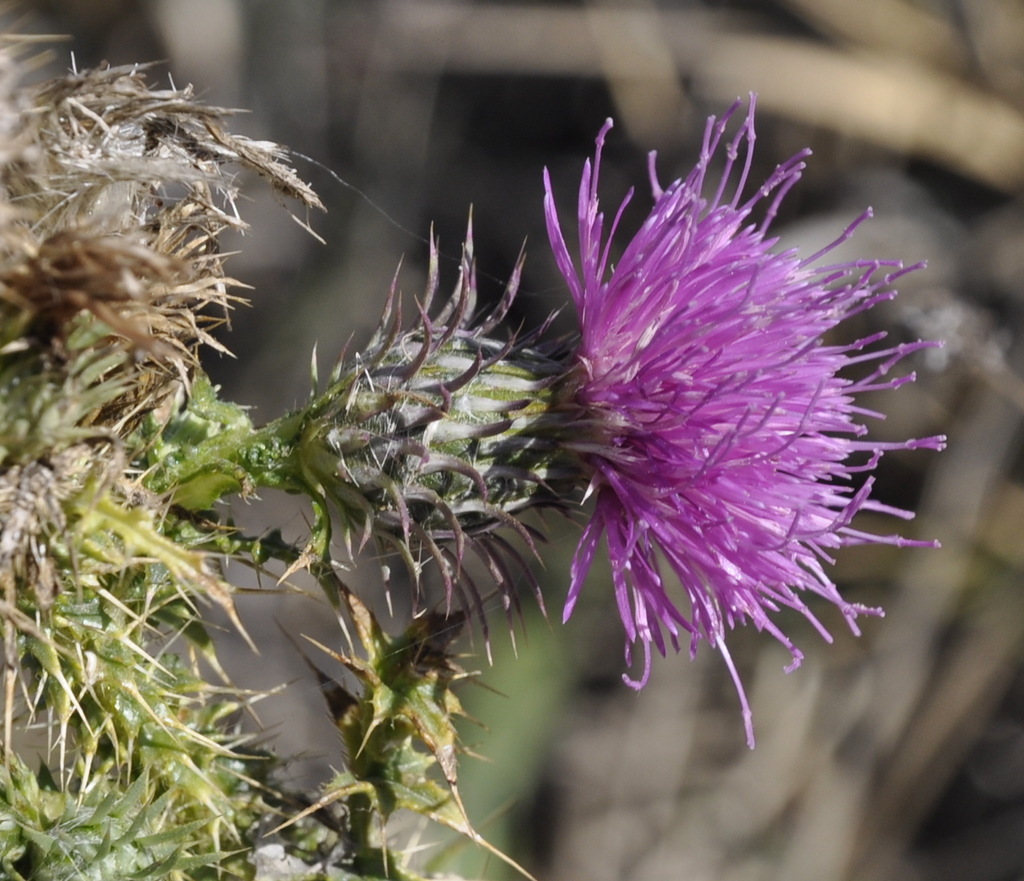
(111, 277)
(113, 196)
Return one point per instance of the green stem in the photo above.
(212, 450)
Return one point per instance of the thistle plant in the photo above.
(114, 195)
(699, 407)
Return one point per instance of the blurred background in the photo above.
(899, 755)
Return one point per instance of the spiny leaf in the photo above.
(142, 541)
(406, 705)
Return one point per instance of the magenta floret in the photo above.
(721, 430)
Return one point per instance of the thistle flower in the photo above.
(700, 406)
(720, 432)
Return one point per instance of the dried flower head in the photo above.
(723, 437)
(113, 196)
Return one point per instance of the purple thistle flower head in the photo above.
(719, 429)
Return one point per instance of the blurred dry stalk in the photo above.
(915, 93)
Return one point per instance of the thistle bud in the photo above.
(438, 435)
